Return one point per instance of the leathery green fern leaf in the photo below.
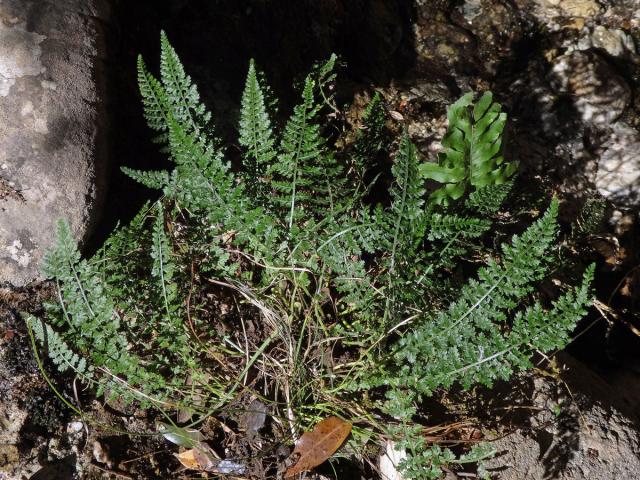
(471, 156)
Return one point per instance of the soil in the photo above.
(420, 56)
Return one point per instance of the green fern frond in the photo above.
(58, 350)
(407, 214)
(370, 138)
(446, 227)
(467, 336)
(163, 266)
(90, 317)
(256, 133)
(156, 180)
(488, 200)
(472, 145)
(156, 107)
(181, 93)
(305, 176)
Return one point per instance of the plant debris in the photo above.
(314, 447)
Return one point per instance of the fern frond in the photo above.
(407, 214)
(154, 99)
(58, 350)
(467, 336)
(448, 226)
(89, 312)
(370, 138)
(256, 133)
(489, 199)
(156, 180)
(181, 93)
(163, 266)
(471, 149)
(305, 177)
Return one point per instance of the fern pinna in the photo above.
(290, 243)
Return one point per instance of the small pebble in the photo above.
(75, 427)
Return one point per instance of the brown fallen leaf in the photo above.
(314, 447)
(202, 458)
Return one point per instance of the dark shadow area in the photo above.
(215, 40)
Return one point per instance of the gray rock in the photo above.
(614, 41)
(580, 427)
(598, 93)
(52, 126)
(556, 15)
(618, 176)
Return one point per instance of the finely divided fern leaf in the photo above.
(305, 177)
(407, 214)
(466, 342)
(256, 133)
(154, 100)
(181, 94)
(156, 180)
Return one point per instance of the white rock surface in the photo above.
(614, 41)
(618, 176)
(598, 93)
(390, 461)
(52, 126)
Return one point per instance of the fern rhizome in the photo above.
(280, 281)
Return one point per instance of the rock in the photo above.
(577, 8)
(558, 15)
(618, 176)
(623, 14)
(614, 41)
(441, 46)
(389, 462)
(52, 126)
(597, 92)
(496, 27)
(570, 8)
(588, 433)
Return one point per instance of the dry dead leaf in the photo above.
(204, 459)
(201, 458)
(631, 284)
(610, 249)
(396, 115)
(314, 447)
(188, 459)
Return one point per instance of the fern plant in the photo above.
(282, 281)
(472, 145)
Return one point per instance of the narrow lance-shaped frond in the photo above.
(181, 93)
(306, 179)
(256, 133)
(407, 202)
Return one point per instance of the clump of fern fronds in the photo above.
(283, 283)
